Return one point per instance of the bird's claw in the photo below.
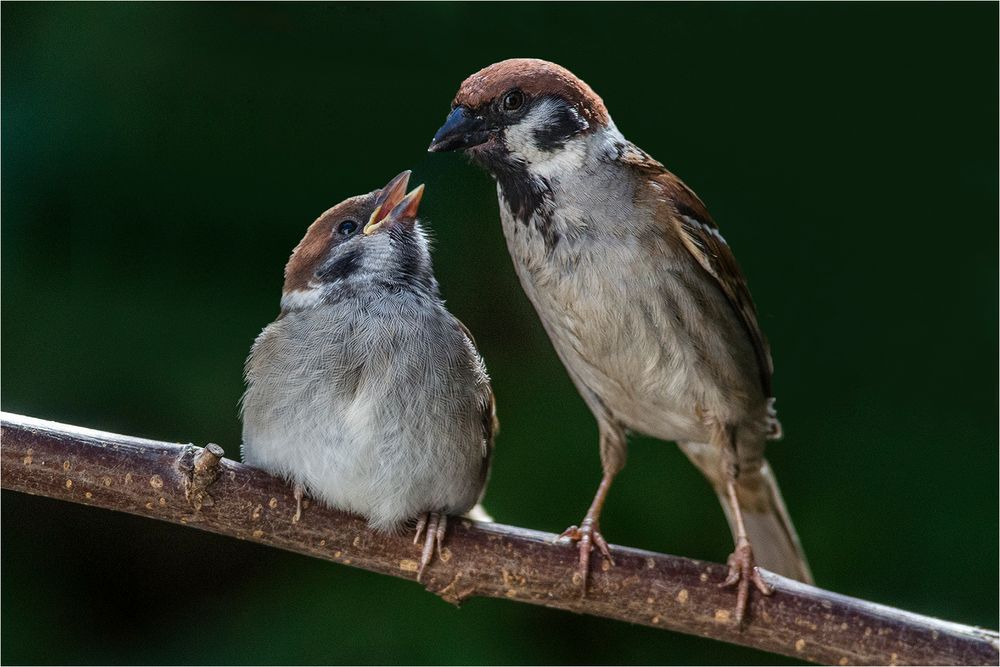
(298, 491)
(435, 525)
(587, 536)
(742, 571)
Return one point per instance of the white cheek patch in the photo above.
(565, 160)
(522, 140)
(521, 136)
(302, 298)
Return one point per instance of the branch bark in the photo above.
(197, 487)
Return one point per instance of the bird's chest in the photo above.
(320, 385)
(602, 303)
(361, 408)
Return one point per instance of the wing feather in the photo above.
(488, 407)
(699, 234)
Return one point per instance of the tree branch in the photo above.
(197, 487)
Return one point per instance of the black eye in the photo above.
(513, 100)
(347, 227)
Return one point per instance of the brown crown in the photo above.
(315, 245)
(534, 77)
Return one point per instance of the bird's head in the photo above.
(522, 110)
(364, 243)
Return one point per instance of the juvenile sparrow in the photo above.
(366, 393)
(639, 293)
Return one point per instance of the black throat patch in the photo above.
(528, 197)
(526, 194)
(413, 267)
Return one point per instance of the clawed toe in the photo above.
(742, 571)
(298, 491)
(587, 536)
(434, 525)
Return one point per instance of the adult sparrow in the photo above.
(639, 293)
(366, 393)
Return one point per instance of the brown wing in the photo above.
(700, 236)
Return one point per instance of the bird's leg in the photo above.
(588, 535)
(298, 491)
(435, 524)
(742, 568)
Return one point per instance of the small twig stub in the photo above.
(204, 471)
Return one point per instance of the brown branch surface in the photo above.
(197, 487)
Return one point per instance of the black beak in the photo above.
(461, 130)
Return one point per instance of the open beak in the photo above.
(392, 205)
(462, 129)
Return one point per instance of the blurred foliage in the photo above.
(161, 160)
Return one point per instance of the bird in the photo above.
(641, 296)
(366, 393)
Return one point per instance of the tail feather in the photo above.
(775, 543)
(479, 513)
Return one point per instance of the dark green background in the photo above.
(160, 161)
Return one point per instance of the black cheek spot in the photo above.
(563, 125)
(343, 266)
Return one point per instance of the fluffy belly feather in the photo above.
(640, 341)
(363, 433)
